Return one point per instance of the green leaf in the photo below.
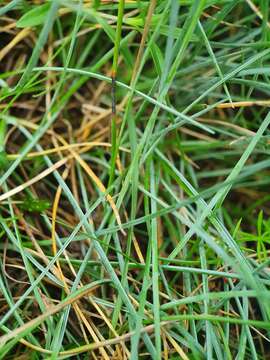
(96, 4)
(34, 17)
(3, 160)
(157, 57)
(259, 223)
(236, 229)
(34, 205)
(3, 126)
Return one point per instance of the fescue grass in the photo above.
(134, 150)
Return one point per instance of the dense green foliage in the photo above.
(134, 159)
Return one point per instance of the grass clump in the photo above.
(134, 149)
